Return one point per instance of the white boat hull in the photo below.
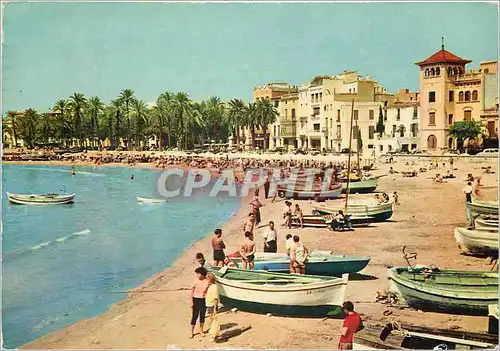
(150, 201)
(40, 199)
(477, 241)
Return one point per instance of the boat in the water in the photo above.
(360, 186)
(478, 241)
(150, 201)
(452, 291)
(318, 263)
(484, 222)
(323, 221)
(40, 199)
(281, 294)
(379, 212)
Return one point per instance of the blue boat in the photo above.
(318, 263)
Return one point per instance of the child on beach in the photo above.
(200, 259)
(212, 301)
(197, 298)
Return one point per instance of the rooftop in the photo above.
(443, 56)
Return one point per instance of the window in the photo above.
(402, 131)
(450, 119)
(371, 132)
(390, 147)
(355, 132)
(370, 146)
(432, 96)
(274, 130)
(431, 142)
(385, 115)
(316, 127)
(432, 118)
(426, 72)
(474, 95)
(438, 71)
(415, 112)
(320, 96)
(293, 113)
(461, 96)
(398, 117)
(286, 113)
(468, 115)
(339, 130)
(450, 96)
(275, 102)
(331, 123)
(355, 114)
(393, 130)
(381, 148)
(316, 111)
(467, 96)
(433, 72)
(372, 114)
(338, 115)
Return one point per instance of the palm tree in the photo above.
(182, 109)
(46, 128)
(11, 124)
(63, 124)
(251, 120)
(235, 116)
(266, 115)
(116, 107)
(95, 109)
(214, 115)
(77, 104)
(126, 97)
(140, 113)
(28, 127)
(165, 100)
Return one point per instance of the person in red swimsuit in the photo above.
(352, 324)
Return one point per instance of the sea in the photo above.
(63, 263)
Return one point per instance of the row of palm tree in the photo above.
(174, 119)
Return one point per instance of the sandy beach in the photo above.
(156, 314)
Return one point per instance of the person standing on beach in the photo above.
(298, 215)
(218, 247)
(256, 205)
(270, 239)
(249, 223)
(197, 298)
(298, 256)
(352, 324)
(212, 302)
(247, 251)
(468, 192)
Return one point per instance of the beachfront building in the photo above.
(318, 115)
(401, 123)
(273, 91)
(450, 93)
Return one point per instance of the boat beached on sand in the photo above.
(379, 212)
(452, 291)
(362, 186)
(477, 241)
(318, 263)
(40, 199)
(481, 208)
(281, 294)
(323, 221)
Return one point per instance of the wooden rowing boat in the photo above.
(379, 212)
(453, 291)
(281, 294)
(486, 223)
(361, 186)
(299, 193)
(482, 208)
(323, 221)
(150, 201)
(477, 241)
(318, 263)
(40, 199)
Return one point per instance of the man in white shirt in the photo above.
(468, 192)
(270, 239)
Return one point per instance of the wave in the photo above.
(66, 171)
(44, 244)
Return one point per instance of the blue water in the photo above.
(61, 262)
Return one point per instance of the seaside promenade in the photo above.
(156, 314)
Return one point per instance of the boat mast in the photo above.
(357, 148)
(349, 159)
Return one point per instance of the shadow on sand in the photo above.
(359, 276)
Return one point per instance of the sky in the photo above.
(52, 50)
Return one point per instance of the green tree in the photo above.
(77, 104)
(380, 128)
(215, 110)
(116, 110)
(46, 128)
(126, 97)
(95, 109)
(64, 128)
(11, 126)
(266, 115)
(140, 114)
(182, 108)
(251, 120)
(235, 117)
(28, 127)
(463, 130)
